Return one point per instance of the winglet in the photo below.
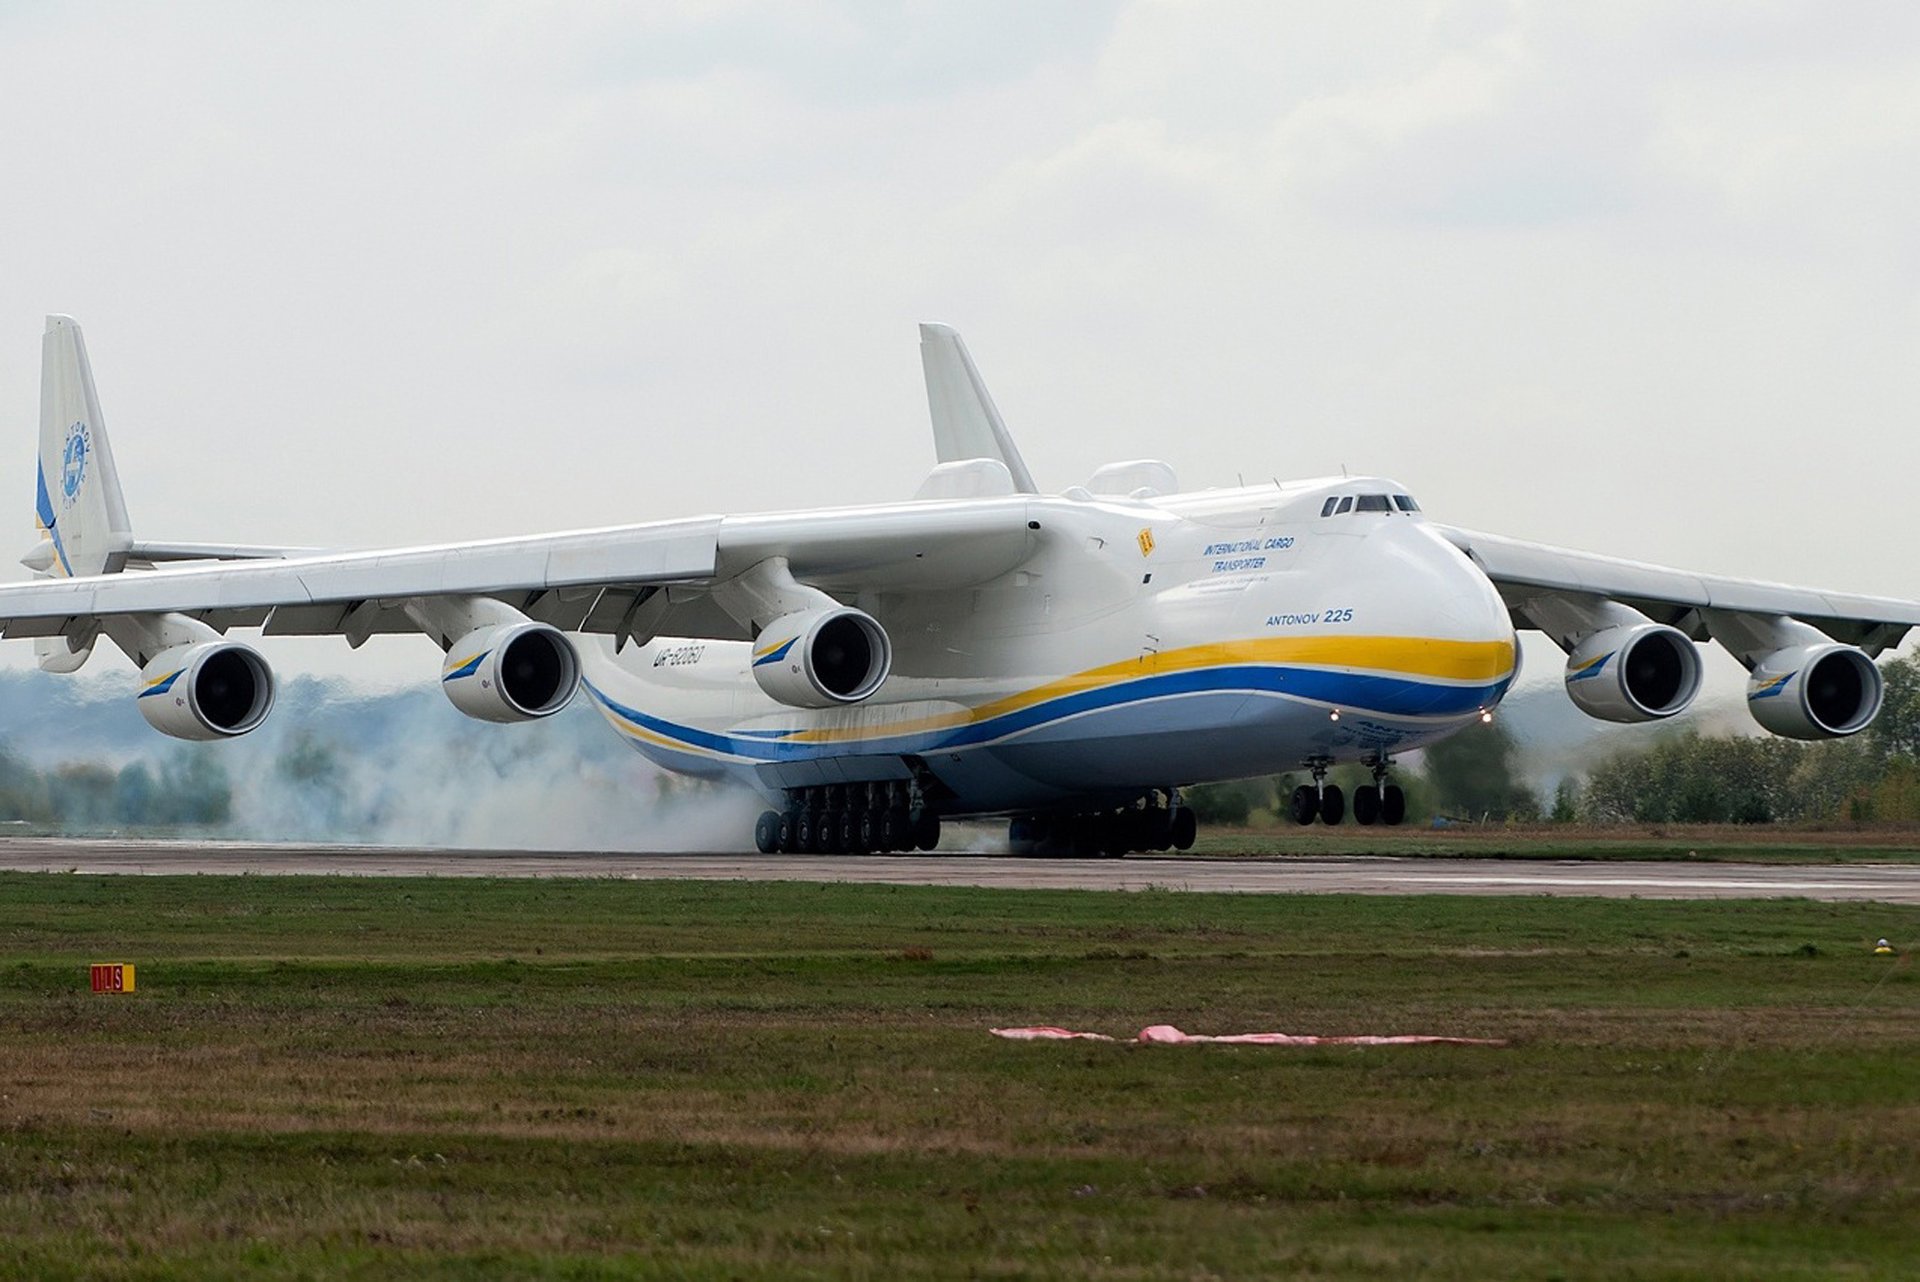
(965, 423)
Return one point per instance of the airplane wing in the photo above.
(587, 580)
(1533, 576)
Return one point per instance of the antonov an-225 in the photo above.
(1066, 661)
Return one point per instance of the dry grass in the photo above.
(678, 1080)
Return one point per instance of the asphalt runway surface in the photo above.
(1366, 875)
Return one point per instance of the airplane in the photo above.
(1066, 662)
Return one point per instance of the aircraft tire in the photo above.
(1185, 828)
(1366, 804)
(1304, 806)
(873, 830)
(766, 832)
(803, 830)
(1393, 805)
(926, 829)
(1333, 805)
(789, 833)
(849, 834)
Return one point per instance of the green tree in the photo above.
(1566, 801)
(1228, 803)
(1472, 774)
(82, 795)
(1896, 731)
(134, 793)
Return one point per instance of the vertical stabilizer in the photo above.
(78, 503)
(965, 423)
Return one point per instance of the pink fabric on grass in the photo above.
(1168, 1035)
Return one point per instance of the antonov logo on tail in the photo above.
(970, 652)
(73, 462)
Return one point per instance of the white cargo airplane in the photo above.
(1067, 661)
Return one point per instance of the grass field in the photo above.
(333, 1077)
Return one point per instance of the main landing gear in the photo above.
(848, 819)
(1107, 834)
(1376, 802)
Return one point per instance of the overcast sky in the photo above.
(1639, 278)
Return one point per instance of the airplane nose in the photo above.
(1446, 597)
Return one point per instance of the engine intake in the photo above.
(511, 672)
(1815, 691)
(1634, 672)
(822, 658)
(207, 690)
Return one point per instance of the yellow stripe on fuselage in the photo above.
(1401, 656)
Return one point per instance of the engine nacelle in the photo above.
(1815, 691)
(206, 690)
(822, 658)
(511, 672)
(1634, 672)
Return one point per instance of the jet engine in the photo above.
(1634, 672)
(1815, 691)
(206, 690)
(822, 658)
(511, 672)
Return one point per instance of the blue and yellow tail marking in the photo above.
(49, 523)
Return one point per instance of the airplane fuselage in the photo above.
(1146, 644)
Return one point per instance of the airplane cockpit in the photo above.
(1342, 504)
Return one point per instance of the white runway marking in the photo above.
(1886, 883)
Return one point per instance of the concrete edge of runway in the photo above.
(1345, 874)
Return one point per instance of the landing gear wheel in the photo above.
(1393, 804)
(1366, 804)
(805, 829)
(873, 834)
(1185, 828)
(789, 833)
(766, 832)
(1333, 805)
(1305, 805)
(926, 829)
(848, 834)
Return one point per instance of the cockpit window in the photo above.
(1374, 503)
(1405, 503)
(1326, 509)
(1346, 504)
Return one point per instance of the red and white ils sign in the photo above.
(112, 977)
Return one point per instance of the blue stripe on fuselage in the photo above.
(1359, 692)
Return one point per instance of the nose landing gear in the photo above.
(1319, 799)
(1376, 802)
(1379, 801)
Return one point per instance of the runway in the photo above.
(1884, 883)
